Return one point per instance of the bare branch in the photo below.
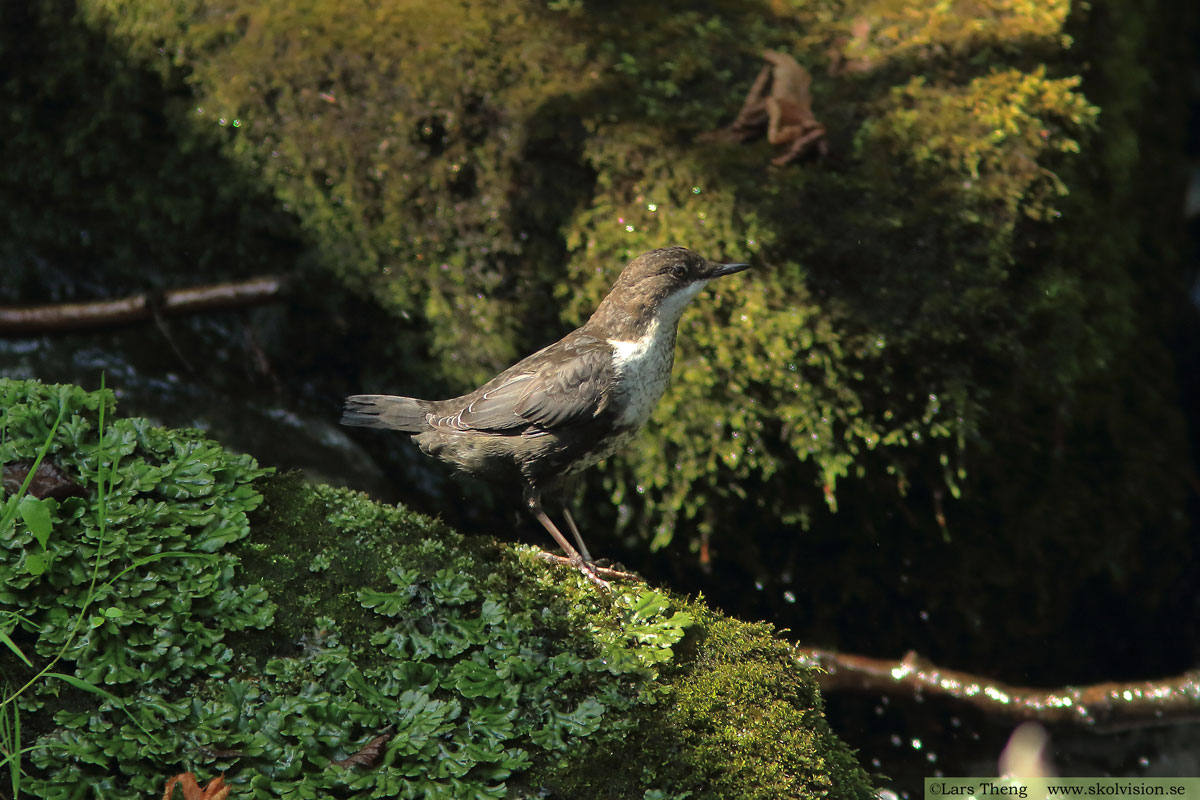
(66, 317)
(1111, 703)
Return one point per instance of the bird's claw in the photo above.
(592, 572)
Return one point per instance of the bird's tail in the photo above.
(385, 411)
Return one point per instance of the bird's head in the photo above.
(656, 286)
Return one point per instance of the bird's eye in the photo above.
(678, 272)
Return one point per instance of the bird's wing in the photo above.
(562, 384)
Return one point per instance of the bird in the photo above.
(568, 406)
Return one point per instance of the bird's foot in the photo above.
(590, 570)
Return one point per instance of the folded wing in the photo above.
(563, 384)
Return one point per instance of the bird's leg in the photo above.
(605, 571)
(574, 558)
(575, 532)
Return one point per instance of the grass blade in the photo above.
(11, 645)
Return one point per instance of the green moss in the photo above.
(735, 720)
(888, 31)
(412, 192)
(272, 648)
(983, 141)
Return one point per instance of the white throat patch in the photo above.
(672, 308)
(643, 365)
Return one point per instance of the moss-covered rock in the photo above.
(738, 714)
(163, 617)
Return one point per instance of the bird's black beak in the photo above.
(717, 270)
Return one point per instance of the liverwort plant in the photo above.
(37, 517)
(38, 514)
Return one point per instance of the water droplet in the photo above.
(916, 744)
(695, 190)
(789, 596)
(895, 740)
(652, 207)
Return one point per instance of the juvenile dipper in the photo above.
(568, 405)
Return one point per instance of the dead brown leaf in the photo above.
(781, 99)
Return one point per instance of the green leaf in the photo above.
(36, 514)
(35, 564)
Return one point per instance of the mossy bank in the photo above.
(186, 610)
